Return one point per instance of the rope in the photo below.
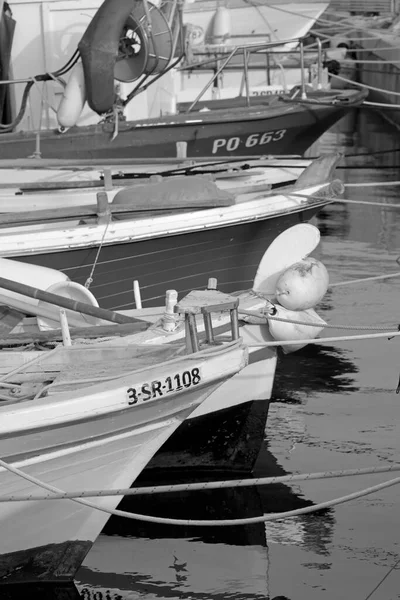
(368, 87)
(373, 278)
(345, 200)
(316, 324)
(373, 184)
(89, 280)
(342, 338)
(203, 485)
(370, 62)
(382, 580)
(362, 154)
(382, 105)
(213, 522)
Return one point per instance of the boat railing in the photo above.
(226, 54)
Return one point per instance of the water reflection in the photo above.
(313, 370)
(40, 592)
(365, 138)
(134, 559)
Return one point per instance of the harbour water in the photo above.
(334, 407)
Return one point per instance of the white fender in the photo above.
(220, 26)
(281, 331)
(75, 291)
(33, 275)
(48, 280)
(73, 99)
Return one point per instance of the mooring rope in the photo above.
(260, 315)
(363, 279)
(89, 280)
(370, 61)
(382, 105)
(343, 200)
(201, 486)
(341, 338)
(392, 568)
(209, 522)
(373, 184)
(368, 87)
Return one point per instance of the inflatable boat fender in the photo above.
(40, 277)
(220, 26)
(74, 98)
(282, 331)
(75, 291)
(99, 51)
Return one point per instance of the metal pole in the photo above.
(246, 76)
(203, 91)
(319, 64)
(303, 83)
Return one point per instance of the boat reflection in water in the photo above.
(134, 559)
(45, 591)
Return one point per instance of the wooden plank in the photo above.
(9, 318)
(89, 358)
(35, 186)
(60, 214)
(57, 300)
(123, 163)
(91, 332)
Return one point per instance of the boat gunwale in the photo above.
(84, 242)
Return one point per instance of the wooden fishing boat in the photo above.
(176, 247)
(274, 125)
(92, 416)
(142, 47)
(225, 433)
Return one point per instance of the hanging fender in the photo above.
(99, 51)
(73, 99)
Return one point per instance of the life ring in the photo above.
(139, 52)
(118, 45)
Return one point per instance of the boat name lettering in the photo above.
(157, 389)
(93, 594)
(266, 92)
(255, 139)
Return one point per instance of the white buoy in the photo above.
(281, 331)
(220, 26)
(73, 99)
(302, 285)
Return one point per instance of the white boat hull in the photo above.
(78, 440)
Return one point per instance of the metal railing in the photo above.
(246, 51)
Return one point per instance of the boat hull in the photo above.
(48, 540)
(281, 128)
(228, 440)
(181, 262)
(225, 433)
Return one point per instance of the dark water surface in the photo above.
(335, 407)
